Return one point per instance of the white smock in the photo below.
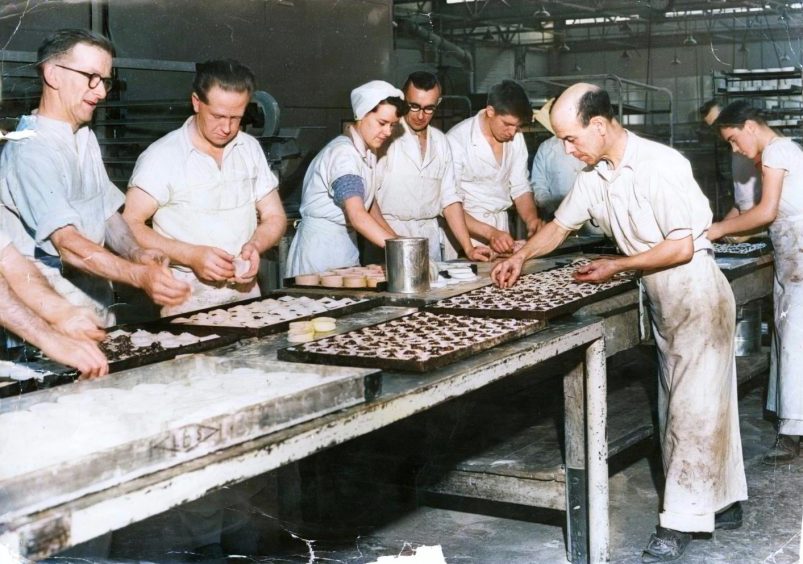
(52, 180)
(413, 191)
(785, 390)
(486, 186)
(202, 203)
(746, 182)
(650, 198)
(323, 239)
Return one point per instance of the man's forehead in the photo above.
(413, 92)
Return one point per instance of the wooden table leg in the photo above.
(597, 460)
(574, 425)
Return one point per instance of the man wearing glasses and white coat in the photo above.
(417, 172)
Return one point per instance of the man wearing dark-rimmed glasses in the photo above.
(58, 200)
(418, 184)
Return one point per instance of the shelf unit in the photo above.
(775, 90)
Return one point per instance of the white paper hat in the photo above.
(366, 97)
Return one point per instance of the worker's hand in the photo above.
(534, 226)
(714, 232)
(598, 271)
(501, 242)
(150, 256)
(80, 323)
(159, 284)
(479, 253)
(250, 253)
(507, 272)
(212, 263)
(79, 353)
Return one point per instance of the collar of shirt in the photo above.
(52, 126)
(367, 155)
(628, 163)
(478, 139)
(410, 138)
(188, 146)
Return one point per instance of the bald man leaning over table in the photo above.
(644, 195)
(55, 188)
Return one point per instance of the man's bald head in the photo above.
(582, 101)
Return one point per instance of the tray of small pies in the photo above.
(270, 314)
(543, 295)
(747, 249)
(417, 342)
(371, 277)
(129, 346)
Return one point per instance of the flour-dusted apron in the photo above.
(498, 219)
(693, 320)
(319, 245)
(785, 391)
(199, 223)
(411, 203)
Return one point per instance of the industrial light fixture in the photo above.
(487, 36)
(625, 55)
(564, 48)
(577, 67)
(743, 48)
(785, 58)
(676, 60)
(690, 40)
(541, 13)
(624, 27)
(784, 15)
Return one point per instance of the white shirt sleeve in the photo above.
(519, 179)
(573, 211)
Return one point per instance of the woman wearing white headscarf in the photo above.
(337, 199)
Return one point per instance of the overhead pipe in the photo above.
(442, 44)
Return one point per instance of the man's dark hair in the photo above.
(738, 112)
(60, 42)
(226, 74)
(705, 108)
(508, 98)
(422, 80)
(401, 106)
(595, 102)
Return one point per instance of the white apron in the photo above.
(320, 244)
(785, 390)
(498, 219)
(693, 320)
(228, 229)
(411, 204)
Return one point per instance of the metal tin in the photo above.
(407, 264)
(748, 329)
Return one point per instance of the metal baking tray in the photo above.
(425, 324)
(522, 304)
(361, 305)
(291, 283)
(766, 249)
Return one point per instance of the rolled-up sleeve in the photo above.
(449, 193)
(266, 181)
(519, 179)
(149, 175)
(37, 188)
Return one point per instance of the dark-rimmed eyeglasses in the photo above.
(415, 108)
(93, 78)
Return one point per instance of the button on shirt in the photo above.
(483, 183)
(195, 195)
(651, 197)
(56, 179)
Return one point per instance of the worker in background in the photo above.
(745, 172)
(209, 192)
(55, 184)
(644, 195)
(490, 161)
(337, 197)
(780, 207)
(32, 310)
(417, 175)
(553, 172)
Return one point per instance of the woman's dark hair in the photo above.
(227, 74)
(508, 98)
(738, 112)
(401, 106)
(60, 42)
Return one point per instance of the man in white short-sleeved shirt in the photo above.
(490, 163)
(643, 194)
(209, 191)
(55, 184)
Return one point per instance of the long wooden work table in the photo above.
(104, 487)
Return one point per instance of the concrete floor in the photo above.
(359, 503)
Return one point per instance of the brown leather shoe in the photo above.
(666, 545)
(786, 449)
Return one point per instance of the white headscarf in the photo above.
(366, 97)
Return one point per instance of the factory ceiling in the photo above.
(594, 25)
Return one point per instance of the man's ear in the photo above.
(600, 124)
(51, 77)
(196, 102)
(489, 111)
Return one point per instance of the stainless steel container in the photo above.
(407, 264)
(748, 329)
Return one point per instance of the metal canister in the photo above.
(748, 329)
(407, 264)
